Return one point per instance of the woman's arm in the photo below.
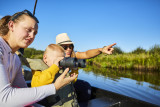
(88, 54)
(11, 96)
(94, 52)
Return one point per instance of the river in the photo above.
(142, 85)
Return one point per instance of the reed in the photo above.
(141, 61)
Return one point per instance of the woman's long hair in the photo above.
(73, 54)
(4, 25)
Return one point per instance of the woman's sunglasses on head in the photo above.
(65, 47)
(24, 11)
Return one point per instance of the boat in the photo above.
(104, 98)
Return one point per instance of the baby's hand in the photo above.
(56, 62)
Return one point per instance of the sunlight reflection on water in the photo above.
(124, 86)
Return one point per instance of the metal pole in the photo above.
(34, 8)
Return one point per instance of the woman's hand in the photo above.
(108, 49)
(62, 80)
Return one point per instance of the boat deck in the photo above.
(103, 98)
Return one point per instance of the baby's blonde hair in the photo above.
(53, 47)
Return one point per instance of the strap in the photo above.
(64, 41)
(62, 101)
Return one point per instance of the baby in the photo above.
(51, 57)
(64, 96)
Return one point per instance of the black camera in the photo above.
(72, 62)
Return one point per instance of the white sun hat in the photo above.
(63, 39)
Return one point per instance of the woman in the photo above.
(18, 31)
(82, 88)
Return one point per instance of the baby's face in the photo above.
(52, 57)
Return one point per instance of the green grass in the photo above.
(143, 61)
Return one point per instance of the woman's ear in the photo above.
(10, 25)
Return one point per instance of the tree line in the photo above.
(33, 53)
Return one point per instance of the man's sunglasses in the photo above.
(24, 11)
(65, 47)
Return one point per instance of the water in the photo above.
(140, 85)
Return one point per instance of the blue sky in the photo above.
(93, 23)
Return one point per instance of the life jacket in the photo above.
(64, 97)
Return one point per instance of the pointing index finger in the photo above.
(111, 45)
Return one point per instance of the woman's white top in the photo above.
(13, 89)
